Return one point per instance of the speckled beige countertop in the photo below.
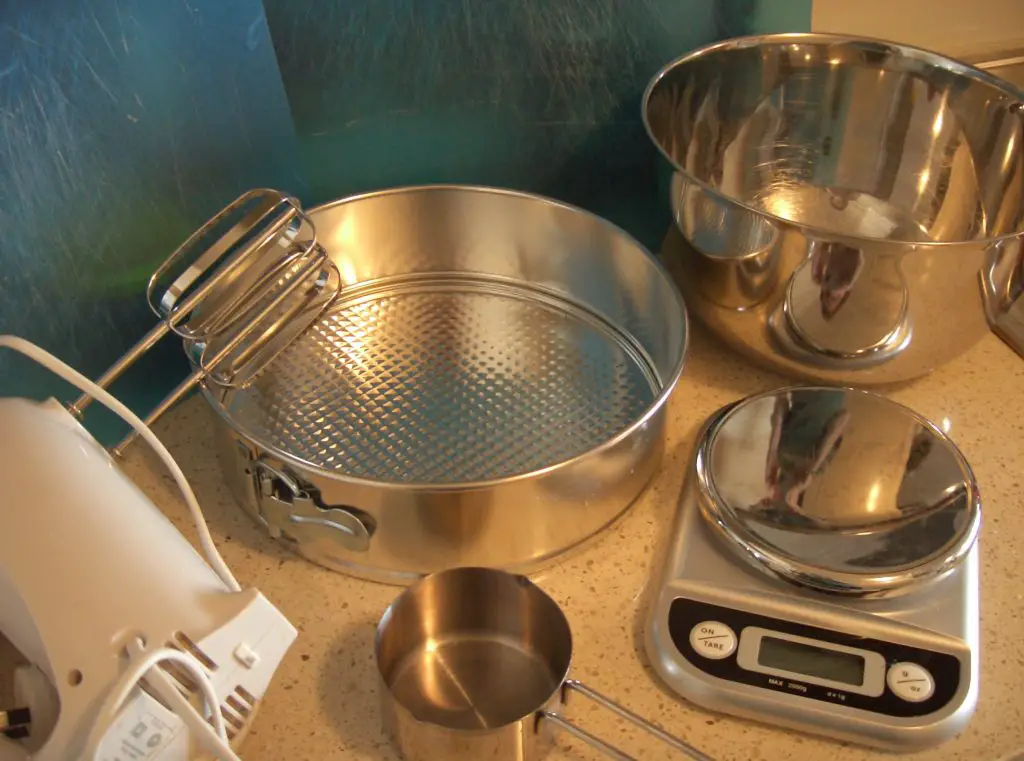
(323, 703)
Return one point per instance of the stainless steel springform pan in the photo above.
(487, 386)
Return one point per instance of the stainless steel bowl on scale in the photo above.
(487, 388)
(847, 210)
(823, 571)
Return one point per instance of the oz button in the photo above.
(910, 682)
(713, 639)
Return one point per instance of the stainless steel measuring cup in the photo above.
(474, 664)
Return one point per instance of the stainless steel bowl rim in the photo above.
(652, 409)
(750, 41)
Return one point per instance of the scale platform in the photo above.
(823, 571)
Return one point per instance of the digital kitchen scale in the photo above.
(823, 571)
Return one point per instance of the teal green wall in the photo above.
(536, 95)
(124, 125)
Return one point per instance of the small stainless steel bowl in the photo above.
(848, 209)
(838, 490)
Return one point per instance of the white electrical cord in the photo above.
(111, 402)
(161, 683)
(214, 738)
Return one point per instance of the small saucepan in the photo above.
(474, 664)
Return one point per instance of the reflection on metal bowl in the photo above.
(848, 210)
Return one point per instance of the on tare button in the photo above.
(910, 682)
(713, 639)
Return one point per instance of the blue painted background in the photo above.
(125, 123)
(540, 95)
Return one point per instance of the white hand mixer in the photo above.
(137, 647)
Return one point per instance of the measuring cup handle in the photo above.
(610, 750)
(590, 739)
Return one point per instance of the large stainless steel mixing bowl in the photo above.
(848, 210)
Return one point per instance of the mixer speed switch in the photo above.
(713, 639)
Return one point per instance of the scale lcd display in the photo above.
(799, 658)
